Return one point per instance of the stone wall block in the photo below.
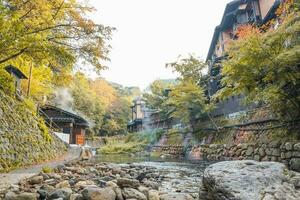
(297, 147)
(276, 152)
(296, 154)
(249, 151)
(274, 144)
(288, 146)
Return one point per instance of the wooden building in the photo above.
(70, 123)
(137, 116)
(18, 76)
(237, 14)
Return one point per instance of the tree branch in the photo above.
(14, 55)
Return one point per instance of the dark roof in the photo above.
(272, 12)
(227, 19)
(229, 16)
(71, 116)
(62, 119)
(11, 69)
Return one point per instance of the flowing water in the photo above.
(180, 175)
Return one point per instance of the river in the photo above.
(178, 175)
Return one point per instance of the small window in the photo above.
(67, 130)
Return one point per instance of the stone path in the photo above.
(13, 177)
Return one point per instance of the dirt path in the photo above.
(13, 177)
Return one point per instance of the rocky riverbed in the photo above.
(107, 181)
(159, 180)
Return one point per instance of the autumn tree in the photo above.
(53, 33)
(265, 66)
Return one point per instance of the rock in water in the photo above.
(85, 154)
(249, 180)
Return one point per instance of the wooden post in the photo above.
(29, 79)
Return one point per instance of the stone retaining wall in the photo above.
(174, 150)
(287, 153)
(24, 138)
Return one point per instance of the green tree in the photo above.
(190, 68)
(158, 95)
(187, 102)
(265, 67)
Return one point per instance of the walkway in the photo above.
(13, 177)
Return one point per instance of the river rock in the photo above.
(126, 182)
(76, 197)
(130, 193)
(151, 184)
(96, 193)
(22, 196)
(295, 164)
(177, 196)
(27, 196)
(153, 195)
(248, 180)
(63, 184)
(85, 154)
(83, 184)
(36, 180)
(63, 193)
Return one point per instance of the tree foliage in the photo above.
(265, 66)
(158, 95)
(185, 100)
(190, 68)
(53, 33)
(106, 107)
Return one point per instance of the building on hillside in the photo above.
(144, 118)
(72, 126)
(237, 13)
(138, 112)
(18, 76)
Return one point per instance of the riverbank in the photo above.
(13, 177)
(99, 180)
(181, 180)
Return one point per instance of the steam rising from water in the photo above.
(64, 100)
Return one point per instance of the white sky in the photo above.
(151, 33)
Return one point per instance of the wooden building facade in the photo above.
(68, 122)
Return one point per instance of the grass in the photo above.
(174, 137)
(130, 143)
(47, 169)
(121, 144)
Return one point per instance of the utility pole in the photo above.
(29, 79)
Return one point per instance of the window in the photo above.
(242, 18)
(67, 130)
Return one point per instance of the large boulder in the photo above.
(248, 180)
